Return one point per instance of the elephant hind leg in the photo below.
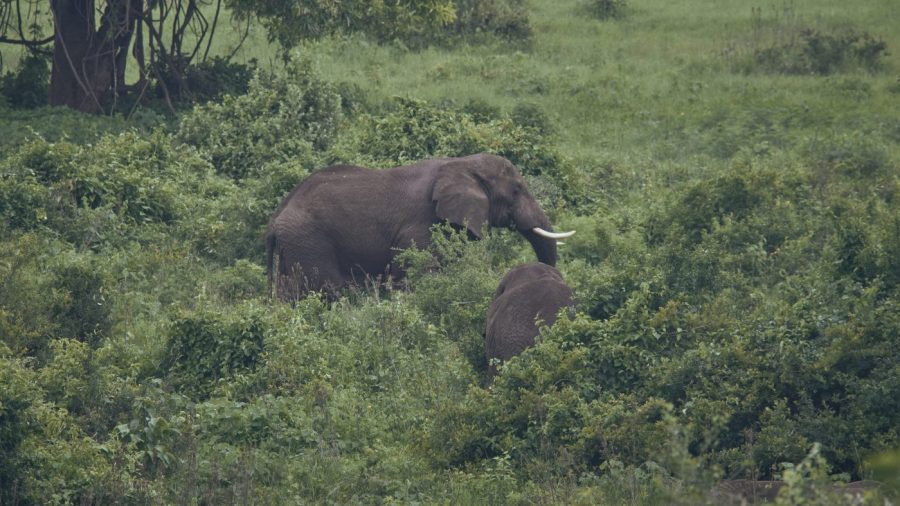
(303, 271)
(288, 285)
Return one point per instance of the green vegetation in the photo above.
(734, 177)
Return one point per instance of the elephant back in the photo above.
(321, 178)
(527, 293)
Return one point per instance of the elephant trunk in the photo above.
(528, 217)
(544, 248)
(532, 222)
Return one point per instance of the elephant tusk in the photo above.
(552, 235)
(560, 243)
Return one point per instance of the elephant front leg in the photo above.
(414, 237)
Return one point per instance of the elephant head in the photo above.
(488, 189)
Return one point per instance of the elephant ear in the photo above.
(460, 198)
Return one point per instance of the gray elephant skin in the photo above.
(526, 294)
(345, 224)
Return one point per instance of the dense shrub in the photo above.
(506, 19)
(605, 9)
(456, 299)
(417, 130)
(853, 157)
(283, 118)
(131, 187)
(207, 346)
(823, 53)
(210, 80)
(27, 87)
(558, 394)
(531, 116)
(866, 244)
(708, 203)
(481, 111)
(55, 124)
(788, 47)
(83, 313)
(407, 23)
(93, 195)
(27, 176)
(49, 292)
(31, 471)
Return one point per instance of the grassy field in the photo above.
(732, 169)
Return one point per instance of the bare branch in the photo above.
(241, 42)
(200, 32)
(144, 85)
(212, 31)
(28, 43)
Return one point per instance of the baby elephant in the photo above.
(527, 292)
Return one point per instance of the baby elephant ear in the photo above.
(460, 199)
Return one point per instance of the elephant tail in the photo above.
(270, 255)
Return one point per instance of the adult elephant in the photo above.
(527, 293)
(344, 223)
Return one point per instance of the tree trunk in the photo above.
(89, 61)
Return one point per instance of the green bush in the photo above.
(28, 174)
(212, 79)
(605, 9)
(791, 48)
(505, 19)
(481, 111)
(28, 87)
(229, 224)
(57, 124)
(705, 204)
(853, 157)
(17, 396)
(241, 281)
(83, 311)
(32, 471)
(823, 53)
(67, 187)
(403, 23)
(417, 130)
(130, 187)
(48, 292)
(284, 117)
(864, 244)
(208, 345)
(25, 295)
(531, 116)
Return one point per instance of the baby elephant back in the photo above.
(527, 293)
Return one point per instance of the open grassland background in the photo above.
(733, 170)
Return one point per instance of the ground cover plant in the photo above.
(734, 177)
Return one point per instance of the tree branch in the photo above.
(212, 31)
(28, 43)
